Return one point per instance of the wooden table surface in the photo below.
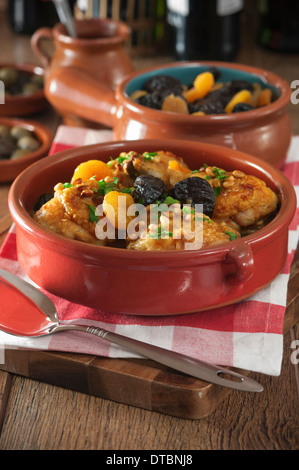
(38, 416)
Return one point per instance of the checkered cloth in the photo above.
(247, 335)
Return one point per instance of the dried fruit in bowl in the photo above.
(207, 94)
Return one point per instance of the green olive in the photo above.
(29, 89)
(17, 132)
(37, 80)
(19, 153)
(4, 130)
(28, 143)
(8, 76)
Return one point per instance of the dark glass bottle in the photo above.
(26, 16)
(204, 29)
(279, 29)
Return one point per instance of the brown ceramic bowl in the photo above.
(21, 105)
(264, 132)
(10, 169)
(149, 283)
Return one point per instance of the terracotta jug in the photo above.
(78, 66)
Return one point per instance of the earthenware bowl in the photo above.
(24, 105)
(10, 169)
(152, 282)
(264, 132)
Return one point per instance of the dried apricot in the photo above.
(137, 94)
(115, 207)
(243, 96)
(202, 85)
(265, 97)
(175, 104)
(174, 165)
(92, 168)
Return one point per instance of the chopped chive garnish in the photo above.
(217, 191)
(232, 235)
(68, 185)
(160, 233)
(149, 155)
(220, 174)
(92, 215)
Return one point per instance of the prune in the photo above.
(238, 85)
(216, 72)
(42, 200)
(193, 191)
(162, 84)
(150, 100)
(242, 107)
(207, 107)
(148, 189)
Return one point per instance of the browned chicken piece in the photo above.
(68, 212)
(149, 163)
(241, 199)
(188, 231)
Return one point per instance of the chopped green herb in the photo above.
(203, 219)
(68, 185)
(217, 191)
(195, 171)
(126, 190)
(149, 155)
(92, 215)
(232, 235)
(188, 210)
(160, 233)
(220, 174)
(207, 177)
(105, 188)
(171, 200)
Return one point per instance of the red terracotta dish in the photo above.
(149, 283)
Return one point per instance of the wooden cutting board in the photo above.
(138, 382)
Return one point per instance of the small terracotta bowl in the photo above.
(264, 132)
(10, 169)
(21, 105)
(152, 282)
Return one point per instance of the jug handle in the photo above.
(36, 44)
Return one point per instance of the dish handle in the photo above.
(242, 258)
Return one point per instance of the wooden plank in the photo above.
(138, 382)
(5, 387)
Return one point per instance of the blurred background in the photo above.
(184, 29)
(262, 33)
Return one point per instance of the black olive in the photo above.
(42, 200)
(193, 191)
(148, 189)
(163, 83)
(239, 107)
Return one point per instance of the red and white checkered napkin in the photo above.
(246, 335)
